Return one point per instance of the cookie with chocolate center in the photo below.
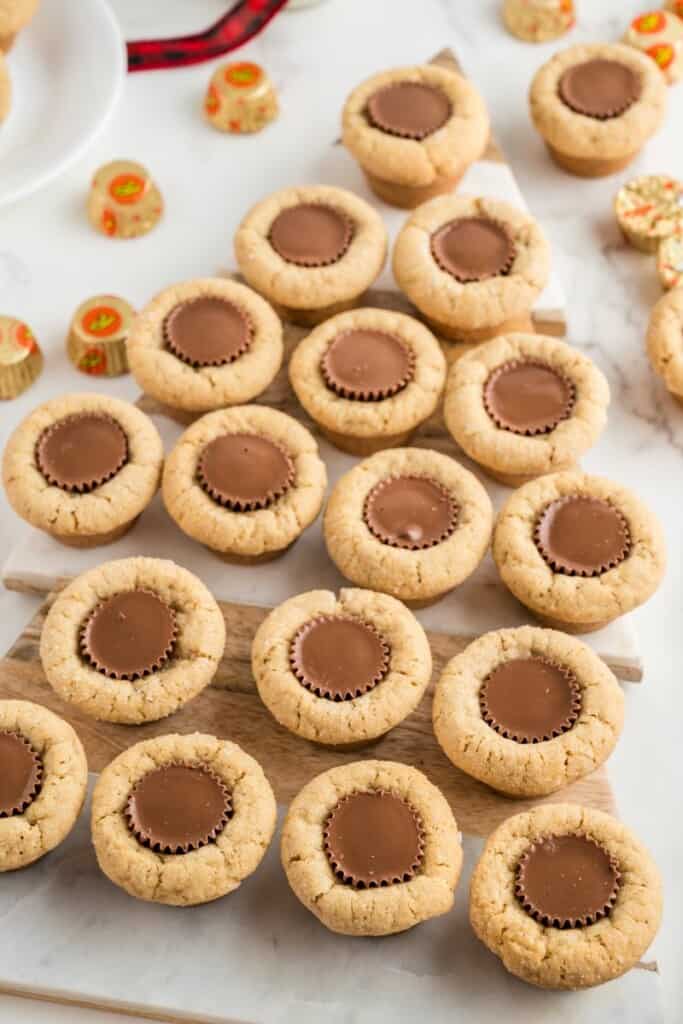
(411, 110)
(207, 331)
(339, 658)
(21, 772)
(130, 635)
(311, 234)
(81, 452)
(178, 808)
(245, 472)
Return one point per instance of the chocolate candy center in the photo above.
(600, 88)
(374, 839)
(567, 881)
(411, 512)
(530, 700)
(339, 658)
(411, 110)
(130, 635)
(178, 808)
(81, 452)
(582, 536)
(21, 772)
(311, 234)
(207, 331)
(245, 472)
(473, 249)
(529, 398)
(367, 365)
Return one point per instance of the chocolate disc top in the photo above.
(367, 365)
(374, 839)
(81, 452)
(600, 88)
(130, 635)
(339, 658)
(473, 249)
(178, 808)
(311, 234)
(530, 700)
(21, 773)
(582, 536)
(208, 331)
(411, 110)
(528, 398)
(245, 472)
(410, 512)
(567, 881)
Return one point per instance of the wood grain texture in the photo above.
(231, 708)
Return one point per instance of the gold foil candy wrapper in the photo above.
(96, 343)
(124, 202)
(539, 21)
(21, 360)
(659, 34)
(240, 98)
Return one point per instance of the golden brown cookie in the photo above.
(43, 779)
(539, 21)
(472, 266)
(527, 711)
(132, 640)
(182, 820)
(567, 897)
(311, 251)
(410, 522)
(245, 482)
(341, 671)
(665, 341)
(368, 378)
(524, 404)
(372, 848)
(83, 467)
(415, 131)
(596, 106)
(578, 550)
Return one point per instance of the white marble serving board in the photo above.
(258, 957)
(482, 603)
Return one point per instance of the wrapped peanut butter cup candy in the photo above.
(96, 343)
(21, 360)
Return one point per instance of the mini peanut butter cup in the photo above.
(411, 110)
(600, 88)
(245, 472)
(411, 512)
(473, 249)
(207, 331)
(311, 234)
(130, 635)
(530, 700)
(178, 808)
(567, 881)
(339, 658)
(21, 774)
(528, 397)
(81, 452)
(367, 365)
(582, 536)
(374, 839)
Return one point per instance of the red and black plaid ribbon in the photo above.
(234, 29)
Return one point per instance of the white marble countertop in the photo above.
(50, 260)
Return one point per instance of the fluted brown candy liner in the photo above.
(261, 466)
(178, 808)
(549, 692)
(82, 451)
(367, 365)
(311, 234)
(129, 635)
(22, 774)
(410, 110)
(590, 542)
(411, 512)
(207, 331)
(473, 249)
(600, 88)
(350, 659)
(531, 410)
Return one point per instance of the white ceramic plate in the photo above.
(68, 68)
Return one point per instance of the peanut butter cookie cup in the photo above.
(368, 378)
(372, 848)
(665, 341)
(341, 671)
(204, 345)
(596, 106)
(133, 640)
(524, 404)
(410, 522)
(566, 896)
(43, 779)
(472, 266)
(415, 131)
(527, 711)
(83, 467)
(311, 251)
(245, 482)
(182, 820)
(578, 550)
